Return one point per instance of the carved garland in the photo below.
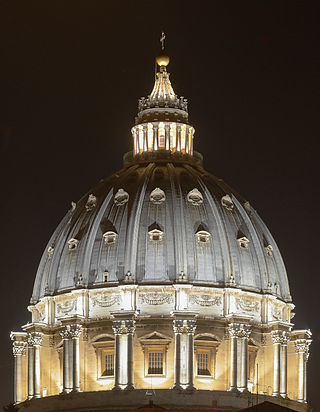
(155, 298)
(66, 307)
(206, 300)
(105, 301)
(247, 305)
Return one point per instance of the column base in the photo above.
(276, 394)
(234, 389)
(129, 388)
(66, 391)
(190, 388)
(284, 396)
(177, 387)
(36, 396)
(76, 390)
(117, 388)
(244, 390)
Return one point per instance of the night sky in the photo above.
(70, 76)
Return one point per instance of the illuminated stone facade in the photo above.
(161, 279)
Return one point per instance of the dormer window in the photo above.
(91, 202)
(269, 250)
(227, 202)
(105, 276)
(243, 242)
(121, 197)
(156, 235)
(157, 196)
(73, 244)
(195, 197)
(203, 237)
(110, 238)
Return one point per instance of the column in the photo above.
(190, 329)
(117, 331)
(130, 329)
(233, 332)
(302, 349)
(30, 368)
(35, 341)
(283, 366)
(75, 332)
(66, 336)
(18, 349)
(178, 329)
(276, 339)
(244, 332)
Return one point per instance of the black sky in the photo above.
(70, 76)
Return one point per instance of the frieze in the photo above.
(247, 305)
(67, 306)
(105, 301)
(206, 300)
(155, 298)
(277, 312)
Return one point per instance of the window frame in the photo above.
(103, 347)
(206, 345)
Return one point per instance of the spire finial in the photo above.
(162, 39)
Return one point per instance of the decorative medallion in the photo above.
(121, 197)
(247, 305)
(157, 196)
(155, 298)
(227, 202)
(195, 197)
(206, 300)
(105, 301)
(67, 306)
(91, 202)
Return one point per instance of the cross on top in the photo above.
(162, 39)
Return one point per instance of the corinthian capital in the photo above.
(302, 346)
(280, 336)
(178, 326)
(190, 326)
(35, 339)
(19, 348)
(71, 331)
(122, 327)
(239, 330)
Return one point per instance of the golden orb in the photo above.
(162, 60)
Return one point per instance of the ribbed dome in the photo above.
(162, 219)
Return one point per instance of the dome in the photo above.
(147, 219)
(162, 279)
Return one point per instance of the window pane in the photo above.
(155, 363)
(203, 363)
(109, 365)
